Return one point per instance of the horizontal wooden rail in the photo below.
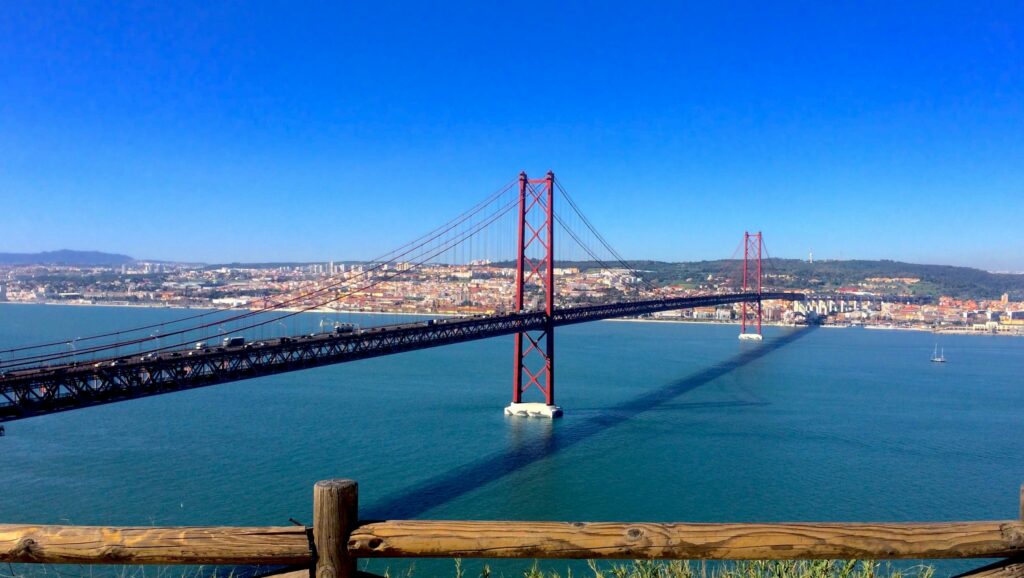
(454, 539)
(340, 540)
(154, 545)
(402, 539)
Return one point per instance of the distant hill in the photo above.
(64, 257)
(962, 282)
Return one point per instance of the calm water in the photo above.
(664, 422)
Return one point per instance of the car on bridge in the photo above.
(236, 341)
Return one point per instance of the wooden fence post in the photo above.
(335, 515)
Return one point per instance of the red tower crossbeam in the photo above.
(536, 194)
(752, 244)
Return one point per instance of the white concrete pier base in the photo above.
(533, 410)
(750, 337)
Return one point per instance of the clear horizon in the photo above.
(211, 133)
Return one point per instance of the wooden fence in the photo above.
(337, 539)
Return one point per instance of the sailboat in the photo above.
(939, 356)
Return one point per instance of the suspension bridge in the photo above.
(62, 375)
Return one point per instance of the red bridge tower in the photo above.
(752, 245)
(535, 352)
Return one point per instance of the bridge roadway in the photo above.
(51, 389)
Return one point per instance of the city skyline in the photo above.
(205, 133)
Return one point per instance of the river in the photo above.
(663, 422)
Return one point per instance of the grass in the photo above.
(746, 569)
(636, 569)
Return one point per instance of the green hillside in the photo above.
(961, 282)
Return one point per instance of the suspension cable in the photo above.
(416, 242)
(450, 244)
(615, 254)
(103, 347)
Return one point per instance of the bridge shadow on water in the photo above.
(458, 481)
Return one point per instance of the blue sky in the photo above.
(292, 131)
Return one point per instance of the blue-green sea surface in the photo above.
(663, 422)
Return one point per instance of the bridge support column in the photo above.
(535, 352)
(752, 244)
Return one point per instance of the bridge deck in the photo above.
(43, 390)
